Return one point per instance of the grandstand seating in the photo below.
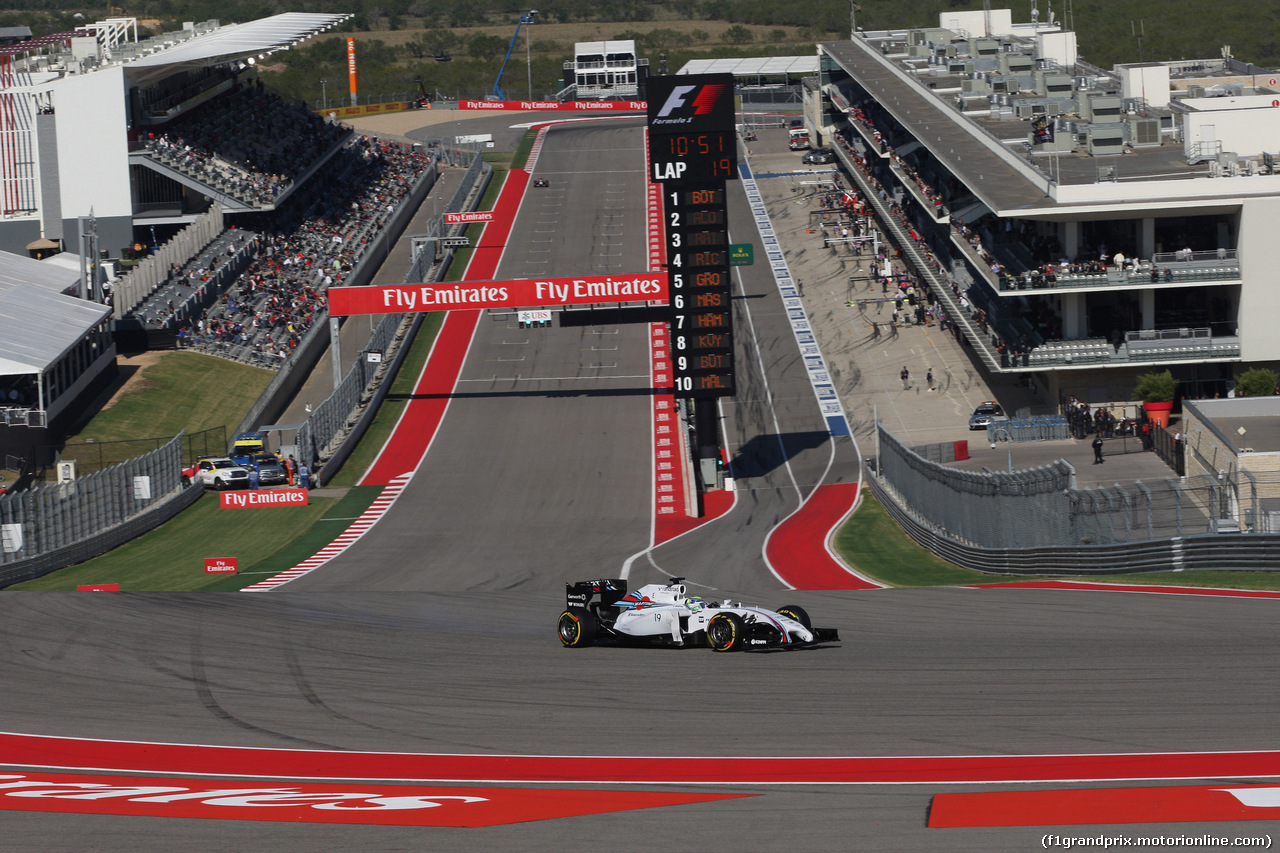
(266, 310)
(249, 144)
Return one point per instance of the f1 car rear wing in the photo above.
(583, 594)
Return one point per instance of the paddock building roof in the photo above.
(38, 321)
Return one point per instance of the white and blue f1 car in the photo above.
(667, 614)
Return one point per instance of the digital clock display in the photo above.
(694, 157)
(695, 145)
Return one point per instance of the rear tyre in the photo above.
(577, 628)
(725, 632)
(796, 612)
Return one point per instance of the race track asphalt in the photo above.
(435, 633)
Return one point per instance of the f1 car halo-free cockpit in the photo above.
(666, 614)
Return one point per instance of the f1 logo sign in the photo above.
(703, 104)
(696, 102)
(675, 99)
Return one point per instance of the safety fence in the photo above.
(1041, 507)
(1190, 553)
(335, 413)
(332, 428)
(153, 270)
(52, 518)
(94, 456)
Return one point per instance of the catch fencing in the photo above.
(333, 419)
(1041, 507)
(49, 519)
(334, 415)
(96, 456)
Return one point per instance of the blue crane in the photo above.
(497, 84)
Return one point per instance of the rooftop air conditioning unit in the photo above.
(1144, 131)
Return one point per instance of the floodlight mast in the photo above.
(497, 84)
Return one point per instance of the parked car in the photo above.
(986, 414)
(818, 156)
(216, 473)
(270, 469)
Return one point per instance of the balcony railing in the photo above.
(1142, 346)
(1174, 272)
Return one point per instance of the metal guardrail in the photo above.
(335, 413)
(1206, 552)
(80, 516)
(339, 417)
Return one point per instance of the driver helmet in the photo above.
(695, 603)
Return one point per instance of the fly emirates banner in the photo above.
(516, 293)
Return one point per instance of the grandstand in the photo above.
(242, 208)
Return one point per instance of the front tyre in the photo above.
(796, 612)
(577, 628)
(725, 632)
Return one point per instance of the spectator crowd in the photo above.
(265, 312)
(248, 143)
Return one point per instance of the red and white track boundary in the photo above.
(86, 754)
(349, 537)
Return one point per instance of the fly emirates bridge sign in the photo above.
(513, 293)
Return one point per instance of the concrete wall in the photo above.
(1060, 47)
(975, 23)
(93, 155)
(15, 234)
(1246, 125)
(1260, 295)
(1149, 81)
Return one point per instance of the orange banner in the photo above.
(351, 63)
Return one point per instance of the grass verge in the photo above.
(873, 544)
(161, 400)
(179, 391)
(171, 557)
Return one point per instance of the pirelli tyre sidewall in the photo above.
(726, 632)
(796, 612)
(577, 628)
